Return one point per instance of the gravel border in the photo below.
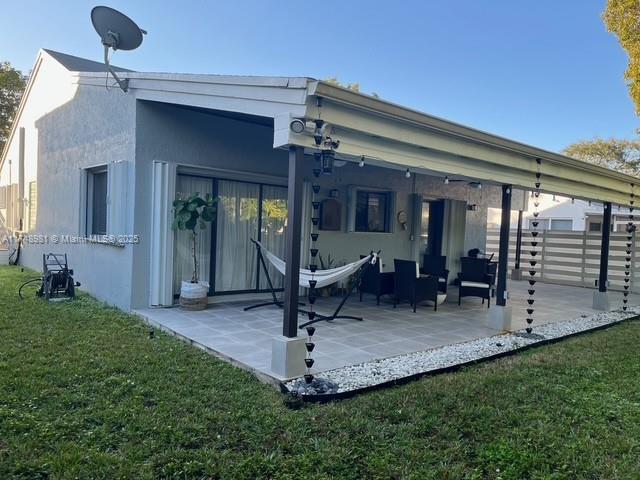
(368, 375)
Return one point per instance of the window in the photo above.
(372, 211)
(97, 201)
(561, 224)
(595, 226)
(543, 224)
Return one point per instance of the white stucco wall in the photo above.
(559, 208)
(42, 99)
(95, 128)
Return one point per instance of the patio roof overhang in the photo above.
(386, 134)
(398, 137)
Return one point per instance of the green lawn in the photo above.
(86, 393)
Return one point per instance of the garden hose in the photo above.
(27, 283)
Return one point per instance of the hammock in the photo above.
(322, 277)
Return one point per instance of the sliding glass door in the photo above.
(245, 211)
(273, 230)
(236, 260)
(187, 185)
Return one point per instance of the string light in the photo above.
(407, 174)
(361, 163)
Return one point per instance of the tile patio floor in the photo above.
(245, 337)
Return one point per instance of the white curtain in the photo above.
(455, 219)
(274, 230)
(237, 224)
(183, 259)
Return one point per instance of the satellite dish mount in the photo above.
(117, 32)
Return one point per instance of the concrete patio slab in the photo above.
(245, 338)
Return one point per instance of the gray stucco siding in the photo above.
(95, 128)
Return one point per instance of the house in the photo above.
(558, 212)
(92, 171)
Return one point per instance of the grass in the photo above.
(86, 393)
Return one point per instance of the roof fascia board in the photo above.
(289, 82)
(400, 155)
(376, 106)
(340, 118)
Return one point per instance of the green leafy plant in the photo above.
(190, 214)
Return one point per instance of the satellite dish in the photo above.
(117, 32)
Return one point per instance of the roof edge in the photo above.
(375, 105)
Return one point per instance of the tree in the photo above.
(349, 86)
(189, 214)
(12, 84)
(622, 18)
(616, 154)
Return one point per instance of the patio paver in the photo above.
(246, 336)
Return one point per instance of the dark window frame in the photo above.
(103, 173)
(363, 225)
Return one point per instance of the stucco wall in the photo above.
(95, 127)
(42, 99)
(188, 137)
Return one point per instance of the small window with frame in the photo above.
(97, 201)
(373, 211)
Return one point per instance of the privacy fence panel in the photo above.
(571, 257)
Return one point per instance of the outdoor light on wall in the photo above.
(473, 207)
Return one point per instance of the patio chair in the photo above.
(436, 265)
(375, 281)
(409, 285)
(474, 280)
(492, 269)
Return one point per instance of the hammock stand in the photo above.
(336, 314)
(313, 316)
(274, 301)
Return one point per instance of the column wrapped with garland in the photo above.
(631, 228)
(535, 232)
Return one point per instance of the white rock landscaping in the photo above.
(369, 374)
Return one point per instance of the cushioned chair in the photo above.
(375, 281)
(436, 265)
(474, 280)
(409, 285)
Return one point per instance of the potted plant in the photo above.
(192, 214)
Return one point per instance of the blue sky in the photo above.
(544, 72)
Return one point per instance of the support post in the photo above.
(21, 195)
(516, 273)
(294, 232)
(500, 317)
(601, 296)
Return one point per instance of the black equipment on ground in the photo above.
(57, 277)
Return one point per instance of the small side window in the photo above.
(97, 201)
